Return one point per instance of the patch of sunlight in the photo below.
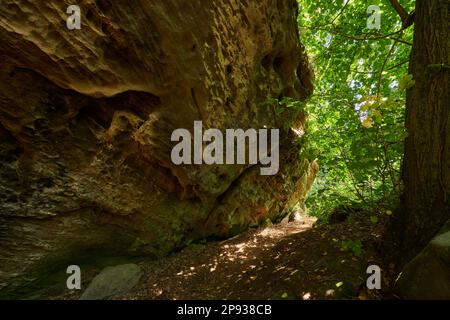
(271, 232)
(307, 296)
(240, 247)
(294, 272)
(189, 274)
(329, 293)
(157, 291)
(279, 268)
(299, 132)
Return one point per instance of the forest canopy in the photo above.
(357, 112)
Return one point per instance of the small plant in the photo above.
(354, 246)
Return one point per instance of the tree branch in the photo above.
(340, 12)
(407, 18)
(385, 62)
(400, 10)
(377, 72)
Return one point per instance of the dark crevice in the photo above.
(267, 62)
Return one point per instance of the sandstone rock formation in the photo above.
(86, 118)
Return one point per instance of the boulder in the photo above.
(113, 281)
(86, 118)
(427, 276)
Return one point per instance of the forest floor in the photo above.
(294, 260)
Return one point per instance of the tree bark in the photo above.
(426, 168)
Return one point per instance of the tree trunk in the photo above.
(426, 168)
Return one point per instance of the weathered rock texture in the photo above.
(86, 118)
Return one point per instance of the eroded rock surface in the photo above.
(86, 118)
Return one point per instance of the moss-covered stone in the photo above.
(427, 276)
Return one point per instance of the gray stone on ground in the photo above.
(113, 281)
(427, 276)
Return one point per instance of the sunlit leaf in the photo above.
(367, 123)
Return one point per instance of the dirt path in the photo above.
(288, 261)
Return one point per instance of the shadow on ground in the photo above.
(289, 261)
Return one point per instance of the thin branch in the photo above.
(361, 37)
(402, 41)
(368, 36)
(385, 62)
(397, 65)
(400, 10)
(388, 69)
(340, 12)
(352, 177)
(407, 18)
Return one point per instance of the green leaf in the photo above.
(407, 82)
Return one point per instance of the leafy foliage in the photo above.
(354, 246)
(356, 115)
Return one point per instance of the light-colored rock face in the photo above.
(86, 118)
